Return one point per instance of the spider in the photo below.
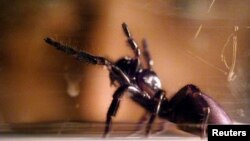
(188, 106)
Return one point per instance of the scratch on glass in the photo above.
(198, 32)
(206, 62)
(200, 27)
(211, 5)
(233, 36)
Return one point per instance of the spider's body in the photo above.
(145, 79)
(189, 105)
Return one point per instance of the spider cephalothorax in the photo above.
(128, 66)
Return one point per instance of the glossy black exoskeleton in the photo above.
(188, 106)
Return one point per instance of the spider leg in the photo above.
(146, 54)
(136, 94)
(140, 129)
(143, 120)
(131, 41)
(159, 97)
(114, 107)
(79, 55)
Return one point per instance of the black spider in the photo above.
(188, 106)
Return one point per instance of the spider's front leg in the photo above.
(79, 55)
(131, 41)
(153, 105)
(115, 104)
(114, 107)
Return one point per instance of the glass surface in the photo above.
(46, 92)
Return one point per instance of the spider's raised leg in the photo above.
(159, 97)
(131, 41)
(79, 55)
(146, 54)
(84, 56)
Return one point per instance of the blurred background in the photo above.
(204, 42)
